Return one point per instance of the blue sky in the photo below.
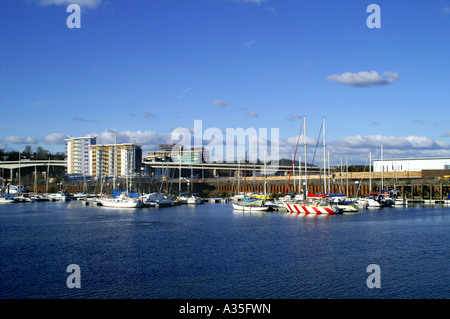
(143, 68)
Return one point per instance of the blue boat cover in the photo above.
(115, 193)
(249, 200)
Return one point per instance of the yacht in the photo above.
(123, 200)
(60, 196)
(156, 200)
(24, 198)
(189, 199)
(15, 190)
(7, 199)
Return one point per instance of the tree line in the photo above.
(28, 153)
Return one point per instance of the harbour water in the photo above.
(210, 251)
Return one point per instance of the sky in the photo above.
(143, 68)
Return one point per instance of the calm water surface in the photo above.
(210, 251)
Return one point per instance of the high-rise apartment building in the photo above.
(78, 158)
(117, 160)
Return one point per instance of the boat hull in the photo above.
(311, 209)
(7, 201)
(249, 208)
(121, 204)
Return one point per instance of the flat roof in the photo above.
(413, 159)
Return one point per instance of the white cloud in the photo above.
(91, 4)
(219, 103)
(182, 94)
(149, 140)
(357, 148)
(250, 43)
(364, 78)
(252, 114)
(446, 10)
(446, 134)
(250, 1)
(149, 115)
(294, 116)
(55, 138)
(270, 10)
(20, 140)
(80, 119)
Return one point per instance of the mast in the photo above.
(100, 152)
(382, 169)
(239, 178)
(341, 188)
(265, 177)
(19, 170)
(324, 160)
(245, 172)
(114, 161)
(35, 178)
(329, 172)
(48, 172)
(293, 170)
(346, 174)
(370, 172)
(179, 177)
(306, 171)
(299, 173)
(254, 168)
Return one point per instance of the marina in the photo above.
(224, 150)
(212, 251)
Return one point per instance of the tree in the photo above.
(27, 152)
(42, 154)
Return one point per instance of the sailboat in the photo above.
(157, 200)
(311, 204)
(122, 199)
(125, 199)
(249, 207)
(249, 204)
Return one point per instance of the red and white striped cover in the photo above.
(311, 209)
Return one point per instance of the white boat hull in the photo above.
(121, 204)
(249, 208)
(6, 201)
(194, 201)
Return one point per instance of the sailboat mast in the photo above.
(245, 172)
(265, 177)
(48, 172)
(329, 172)
(306, 171)
(293, 170)
(382, 169)
(299, 173)
(324, 160)
(341, 186)
(370, 172)
(19, 168)
(114, 160)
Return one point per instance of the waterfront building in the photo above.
(411, 164)
(78, 156)
(120, 160)
(193, 156)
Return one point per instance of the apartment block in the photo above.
(117, 160)
(78, 156)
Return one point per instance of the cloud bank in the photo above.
(91, 4)
(364, 78)
(219, 103)
(354, 148)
